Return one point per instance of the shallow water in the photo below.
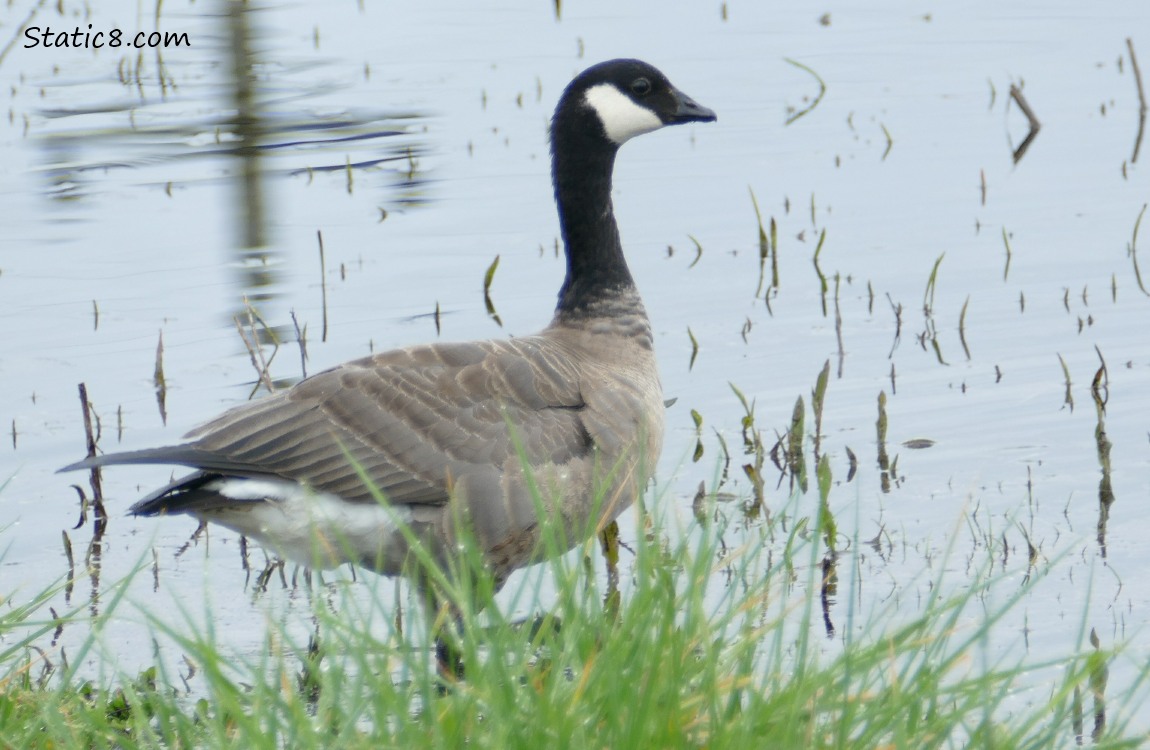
(124, 220)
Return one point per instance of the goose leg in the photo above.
(449, 660)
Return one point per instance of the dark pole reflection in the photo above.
(256, 262)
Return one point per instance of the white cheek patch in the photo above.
(622, 118)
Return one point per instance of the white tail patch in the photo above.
(317, 529)
(622, 118)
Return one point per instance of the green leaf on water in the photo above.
(489, 276)
(826, 518)
(698, 251)
(928, 295)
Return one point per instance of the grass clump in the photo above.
(710, 635)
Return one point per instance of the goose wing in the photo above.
(414, 420)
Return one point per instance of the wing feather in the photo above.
(414, 420)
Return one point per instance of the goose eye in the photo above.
(641, 87)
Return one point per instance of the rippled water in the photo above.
(414, 139)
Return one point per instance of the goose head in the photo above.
(601, 109)
(626, 98)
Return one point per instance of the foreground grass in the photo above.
(706, 645)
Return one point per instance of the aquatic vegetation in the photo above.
(714, 636)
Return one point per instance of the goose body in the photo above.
(567, 423)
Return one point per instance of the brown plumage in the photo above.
(568, 421)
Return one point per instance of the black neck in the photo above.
(582, 162)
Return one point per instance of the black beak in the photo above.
(688, 110)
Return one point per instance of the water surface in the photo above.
(124, 221)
